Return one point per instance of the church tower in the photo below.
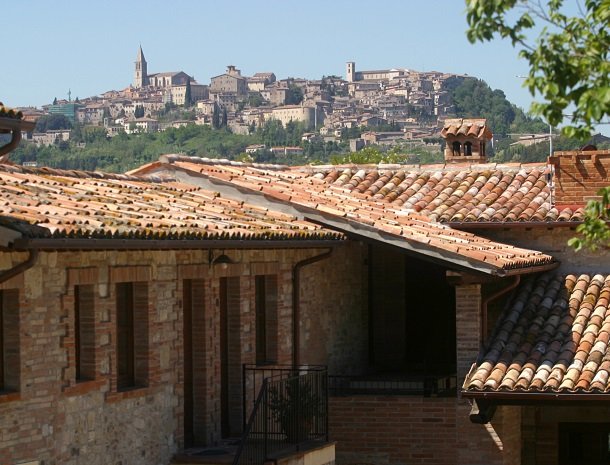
(140, 78)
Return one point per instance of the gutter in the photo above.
(171, 244)
(512, 397)
(20, 268)
(296, 303)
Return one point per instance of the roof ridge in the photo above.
(46, 170)
(174, 157)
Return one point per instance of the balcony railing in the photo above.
(289, 413)
(418, 385)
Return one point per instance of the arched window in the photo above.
(468, 149)
(456, 149)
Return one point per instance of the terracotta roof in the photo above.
(335, 206)
(456, 194)
(48, 203)
(466, 127)
(553, 337)
(484, 193)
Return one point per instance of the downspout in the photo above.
(20, 268)
(488, 299)
(296, 303)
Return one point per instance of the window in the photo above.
(9, 341)
(84, 332)
(456, 148)
(131, 335)
(266, 318)
(468, 149)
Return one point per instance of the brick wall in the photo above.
(393, 430)
(541, 429)
(55, 419)
(579, 175)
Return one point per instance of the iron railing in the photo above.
(419, 385)
(290, 413)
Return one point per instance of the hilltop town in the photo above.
(394, 104)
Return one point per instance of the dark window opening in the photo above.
(410, 299)
(266, 318)
(84, 332)
(584, 443)
(468, 149)
(132, 335)
(456, 149)
(10, 364)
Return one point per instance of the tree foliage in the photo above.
(568, 60)
(52, 122)
(594, 232)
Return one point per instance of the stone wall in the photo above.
(57, 420)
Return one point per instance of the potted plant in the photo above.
(294, 405)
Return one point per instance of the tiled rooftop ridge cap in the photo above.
(171, 158)
(81, 174)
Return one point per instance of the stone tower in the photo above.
(350, 71)
(140, 78)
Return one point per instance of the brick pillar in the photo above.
(475, 444)
(467, 326)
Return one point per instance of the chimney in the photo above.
(579, 175)
(465, 140)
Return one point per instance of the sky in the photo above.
(88, 47)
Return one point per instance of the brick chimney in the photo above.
(465, 140)
(579, 175)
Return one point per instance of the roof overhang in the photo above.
(535, 397)
(450, 259)
(166, 244)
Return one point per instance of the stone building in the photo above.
(434, 295)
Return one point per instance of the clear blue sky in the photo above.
(90, 46)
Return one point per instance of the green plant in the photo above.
(294, 405)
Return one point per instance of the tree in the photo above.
(187, 93)
(294, 96)
(138, 111)
(216, 117)
(55, 101)
(223, 123)
(52, 122)
(568, 61)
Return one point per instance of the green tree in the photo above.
(568, 67)
(187, 93)
(216, 117)
(52, 122)
(294, 95)
(223, 123)
(568, 60)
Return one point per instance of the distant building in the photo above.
(67, 109)
(230, 82)
(174, 82)
(296, 113)
(351, 75)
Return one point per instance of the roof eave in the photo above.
(169, 244)
(503, 397)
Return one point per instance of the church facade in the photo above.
(174, 83)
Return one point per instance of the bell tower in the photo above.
(140, 78)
